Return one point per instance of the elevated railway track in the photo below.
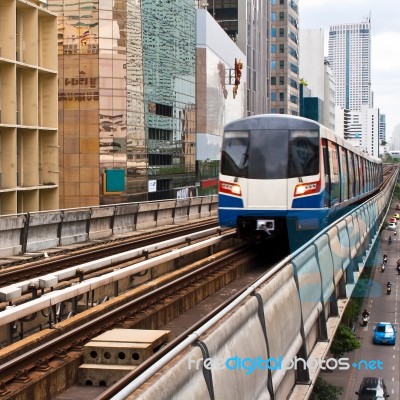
(38, 355)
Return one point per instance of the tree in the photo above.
(303, 82)
(325, 391)
(397, 191)
(344, 341)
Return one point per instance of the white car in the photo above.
(392, 226)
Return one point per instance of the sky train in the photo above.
(282, 174)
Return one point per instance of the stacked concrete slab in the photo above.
(111, 355)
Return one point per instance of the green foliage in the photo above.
(351, 312)
(353, 308)
(303, 82)
(325, 391)
(396, 192)
(387, 158)
(344, 341)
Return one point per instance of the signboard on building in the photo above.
(152, 186)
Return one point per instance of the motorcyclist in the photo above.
(365, 314)
(388, 288)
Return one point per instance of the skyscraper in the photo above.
(285, 57)
(350, 60)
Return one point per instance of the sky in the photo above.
(385, 43)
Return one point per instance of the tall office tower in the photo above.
(247, 23)
(350, 60)
(29, 172)
(285, 57)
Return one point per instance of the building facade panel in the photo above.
(29, 167)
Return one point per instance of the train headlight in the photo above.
(230, 188)
(307, 188)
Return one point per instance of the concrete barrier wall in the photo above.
(10, 233)
(296, 303)
(33, 232)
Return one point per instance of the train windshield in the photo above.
(270, 154)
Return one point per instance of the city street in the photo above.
(382, 308)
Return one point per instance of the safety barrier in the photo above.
(302, 296)
(32, 232)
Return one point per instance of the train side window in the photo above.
(350, 161)
(357, 174)
(362, 175)
(369, 175)
(334, 173)
(326, 173)
(344, 186)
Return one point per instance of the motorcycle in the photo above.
(383, 267)
(398, 269)
(388, 289)
(390, 240)
(365, 319)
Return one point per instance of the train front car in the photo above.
(270, 179)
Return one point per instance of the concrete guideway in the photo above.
(50, 299)
(11, 292)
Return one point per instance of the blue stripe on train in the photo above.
(230, 208)
(316, 201)
(229, 201)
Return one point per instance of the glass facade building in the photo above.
(126, 100)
